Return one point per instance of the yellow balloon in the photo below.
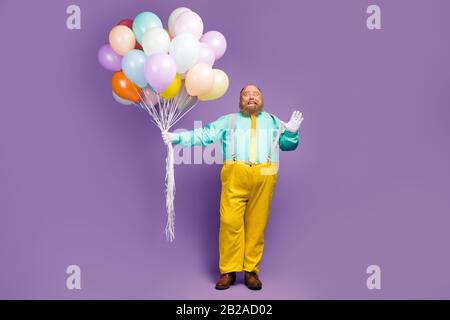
(172, 90)
(220, 86)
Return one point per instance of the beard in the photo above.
(247, 110)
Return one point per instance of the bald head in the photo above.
(250, 87)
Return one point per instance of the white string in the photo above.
(165, 115)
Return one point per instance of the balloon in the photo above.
(126, 22)
(133, 64)
(206, 54)
(189, 22)
(173, 18)
(185, 50)
(189, 101)
(149, 96)
(160, 70)
(199, 80)
(124, 88)
(144, 21)
(219, 87)
(121, 101)
(170, 36)
(121, 39)
(216, 41)
(109, 59)
(156, 40)
(138, 47)
(129, 24)
(172, 90)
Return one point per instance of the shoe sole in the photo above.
(254, 288)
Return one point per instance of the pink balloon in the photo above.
(160, 70)
(189, 22)
(206, 54)
(150, 97)
(199, 79)
(216, 41)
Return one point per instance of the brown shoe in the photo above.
(252, 281)
(226, 280)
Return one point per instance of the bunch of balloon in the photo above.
(165, 71)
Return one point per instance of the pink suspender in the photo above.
(274, 143)
(232, 121)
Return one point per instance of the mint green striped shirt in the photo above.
(267, 126)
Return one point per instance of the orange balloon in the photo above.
(124, 88)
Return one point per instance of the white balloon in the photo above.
(155, 40)
(185, 50)
(173, 18)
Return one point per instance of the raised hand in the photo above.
(294, 123)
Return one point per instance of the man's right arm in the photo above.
(203, 136)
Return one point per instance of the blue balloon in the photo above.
(133, 64)
(144, 21)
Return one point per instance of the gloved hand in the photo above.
(294, 123)
(167, 137)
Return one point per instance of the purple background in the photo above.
(81, 177)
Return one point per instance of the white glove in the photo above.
(294, 123)
(167, 137)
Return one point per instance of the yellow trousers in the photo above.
(244, 210)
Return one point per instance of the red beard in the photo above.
(247, 111)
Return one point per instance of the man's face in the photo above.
(251, 100)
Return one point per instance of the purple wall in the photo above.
(81, 177)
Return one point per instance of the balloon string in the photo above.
(156, 113)
(173, 109)
(170, 193)
(178, 106)
(165, 115)
(143, 104)
(151, 110)
(183, 114)
(163, 127)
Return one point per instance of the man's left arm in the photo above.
(290, 138)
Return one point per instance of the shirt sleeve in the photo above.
(289, 140)
(203, 136)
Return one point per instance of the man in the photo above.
(249, 149)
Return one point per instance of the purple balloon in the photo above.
(216, 41)
(160, 70)
(109, 59)
(207, 54)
